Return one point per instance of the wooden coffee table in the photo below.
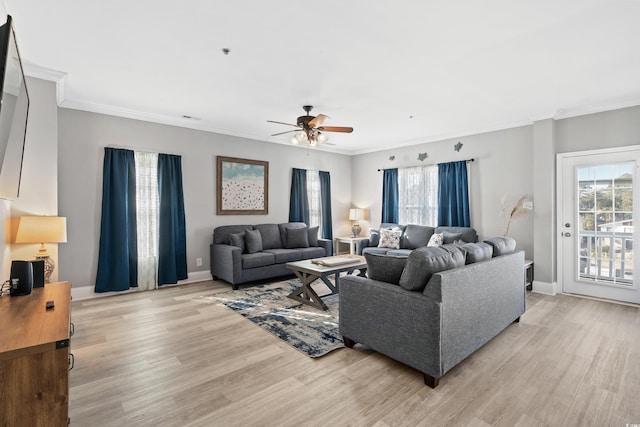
(308, 271)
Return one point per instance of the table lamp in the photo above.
(356, 215)
(42, 229)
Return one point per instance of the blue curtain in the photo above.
(325, 195)
(118, 249)
(172, 242)
(299, 201)
(453, 195)
(390, 196)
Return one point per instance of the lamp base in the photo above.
(356, 230)
(49, 266)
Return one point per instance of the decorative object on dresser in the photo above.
(242, 186)
(34, 357)
(42, 229)
(356, 215)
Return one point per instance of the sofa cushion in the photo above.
(385, 268)
(416, 236)
(399, 252)
(468, 234)
(449, 237)
(312, 236)
(253, 241)
(502, 245)
(221, 233)
(374, 237)
(282, 228)
(435, 240)
(312, 252)
(270, 236)
(389, 238)
(259, 259)
(296, 238)
(374, 250)
(237, 239)
(282, 256)
(422, 263)
(477, 252)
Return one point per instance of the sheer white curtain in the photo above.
(418, 195)
(314, 194)
(147, 213)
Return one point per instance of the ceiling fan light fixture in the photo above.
(301, 137)
(322, 138)
(293, 140)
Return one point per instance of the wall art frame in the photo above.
(242, 186)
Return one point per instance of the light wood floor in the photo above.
(158, 358)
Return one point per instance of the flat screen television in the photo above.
(14, 112)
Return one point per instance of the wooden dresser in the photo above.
(34, 357)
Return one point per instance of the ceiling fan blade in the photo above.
(318, 121)
(343, 129)
(282, 123)
(282, 133)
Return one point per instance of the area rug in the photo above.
(312, 331)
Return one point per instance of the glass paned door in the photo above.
(599, 198)
(605, 211)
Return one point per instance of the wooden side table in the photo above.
(528, 274)
(351, 241)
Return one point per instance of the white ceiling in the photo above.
(401, 72)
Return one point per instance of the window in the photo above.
(418, 195)
(147, 213)
(314, 195)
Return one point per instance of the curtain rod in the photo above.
(429, 164)
(139, 151)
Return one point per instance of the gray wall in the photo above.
(502, 166)
(82, 137)
(38, 186)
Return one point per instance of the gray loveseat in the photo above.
(412, 237)
(244, 253)
(437, 306)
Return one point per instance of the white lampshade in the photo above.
(42, 229)
(356, 214)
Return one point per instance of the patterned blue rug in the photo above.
(314, 332)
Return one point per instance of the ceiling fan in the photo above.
(309, 129)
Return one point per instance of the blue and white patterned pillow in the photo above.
(390, 238)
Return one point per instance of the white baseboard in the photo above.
(87, 292)
(545, 287)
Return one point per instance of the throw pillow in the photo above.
(297, 238)
(425, 262)
(237, 239)
(435, 240)
(390, 239)
(448, 237)
(385, 268)
(313, 236)
(374, 237)
(253, 240)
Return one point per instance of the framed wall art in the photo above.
(242, 186)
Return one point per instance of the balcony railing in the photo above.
(606, 256)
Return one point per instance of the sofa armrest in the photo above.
(401, 324)
(327, 244)
(478, 301)
(361, 244)
(226, 262)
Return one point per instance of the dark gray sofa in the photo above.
(413, 237)
(278, 244)
(434, 326)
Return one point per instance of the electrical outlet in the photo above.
(198, 262)
(528, 205)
